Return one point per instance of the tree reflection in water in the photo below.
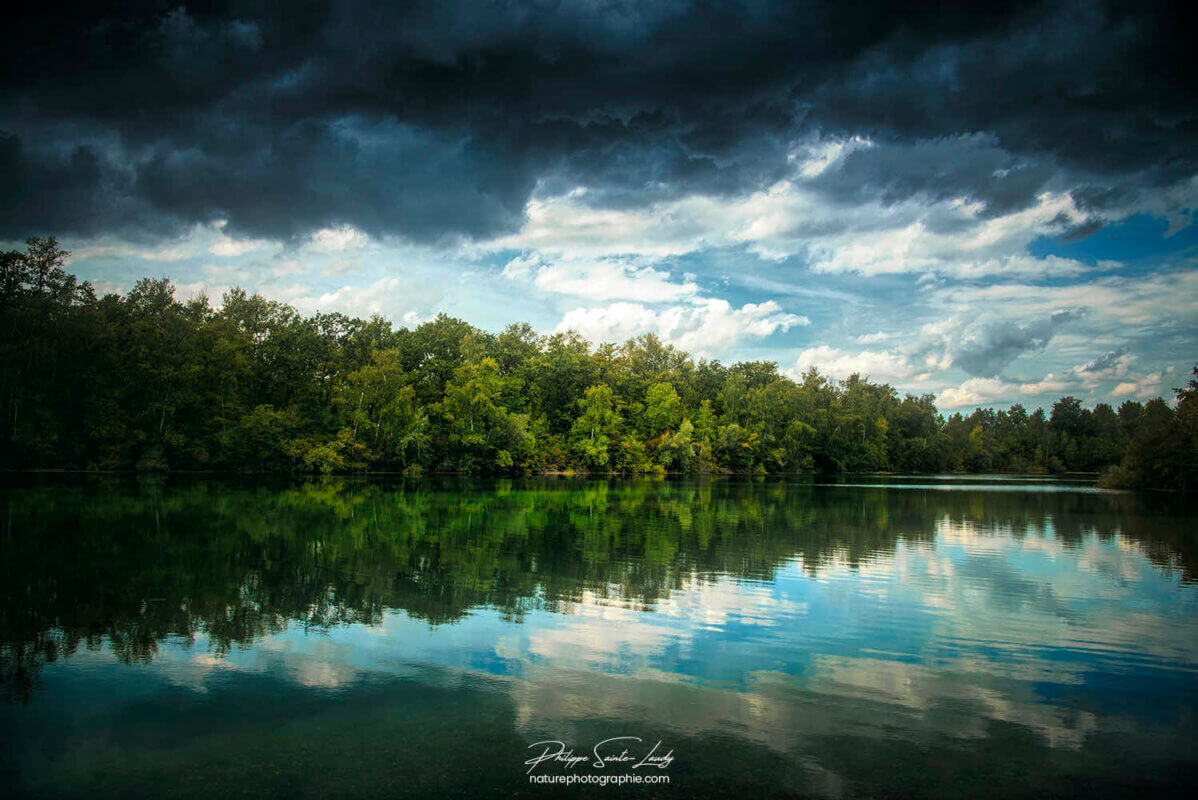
(135, 563)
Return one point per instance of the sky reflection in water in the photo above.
(800, 623)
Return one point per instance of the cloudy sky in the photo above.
(993, 204)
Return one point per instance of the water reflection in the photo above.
(813, 623)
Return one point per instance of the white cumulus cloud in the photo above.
(700, 328)
(358, 301)
(878, 365)
(1143, 387)
(336, 240)
(601, 280)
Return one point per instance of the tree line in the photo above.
(145, 381)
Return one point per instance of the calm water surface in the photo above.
(901, 636)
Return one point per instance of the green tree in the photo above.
(482, 433)
(663, 409)
(597, 428)
(381, 411)
(678, 452)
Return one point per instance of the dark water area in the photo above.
(897, 636)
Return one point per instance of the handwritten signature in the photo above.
(609, 752)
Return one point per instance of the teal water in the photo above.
(882, 637)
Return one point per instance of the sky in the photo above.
(992, 203)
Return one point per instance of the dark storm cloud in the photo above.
(1076, 233)
(1105, 361)
(985, 348)
(58, 191)
(442, 118)
(973, 166)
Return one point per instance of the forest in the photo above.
(146, 382)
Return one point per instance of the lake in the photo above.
(909, 636)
